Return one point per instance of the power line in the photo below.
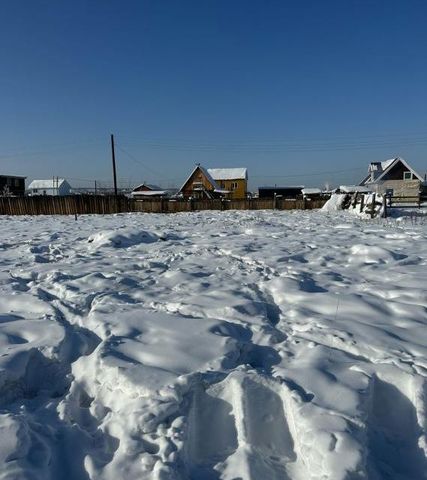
(51, 149)
(132, 157)
(331, 172)
(302, 145)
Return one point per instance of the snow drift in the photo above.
(260, 345)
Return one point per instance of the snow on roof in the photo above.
(281, 187)
(150, 193)
(148, 185)
(386, 163)
(311, 191)
(386, 166)
(228, 173)
(354, 189)
(46, 183)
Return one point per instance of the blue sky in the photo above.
(300, 92)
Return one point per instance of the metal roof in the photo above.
(228, 173)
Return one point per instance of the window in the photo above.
(407, 175)
(16, 182)
(233, 185)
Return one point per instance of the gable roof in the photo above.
(228, 173)
(44, 184)
(206, 174)
(382, 168)
(148, 185)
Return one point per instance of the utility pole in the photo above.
(114, 165)
(95, 188)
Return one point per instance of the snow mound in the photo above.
(335, 202)
(359, 204)
(122, 238)
(369, 254)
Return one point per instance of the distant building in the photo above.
(52, 187)
(12, 185)
(146, 190)
(311, 193)
(234, 180)
(394, 176)
(290, 193)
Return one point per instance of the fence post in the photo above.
(385, 206)
(373, 205)
(362, 202)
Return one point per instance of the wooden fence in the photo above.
(100, 204)
(419, 201)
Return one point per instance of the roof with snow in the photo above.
(228, 173)
(148, 185)
(148, 193)
(380, 169)
(354, 189)
(278, 187)
(44, 184)
(311, 191)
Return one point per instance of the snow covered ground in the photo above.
(233, 345)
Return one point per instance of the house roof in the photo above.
(381, 169)
(281, 187)
(354, 189)
(311, 191)
(12, 176)
(47, 183)
(206, 174)
(148, 185)
(228, 173)
(150, 193)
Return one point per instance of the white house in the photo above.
(53, 186)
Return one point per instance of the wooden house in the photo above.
(200, 184)
(12, 185)
(394, 177)
(234, 180)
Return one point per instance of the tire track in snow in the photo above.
(240, 427)
(393, 434)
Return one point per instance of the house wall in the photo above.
(15, 185)
(404, 188)
(63, 190)
(237, 193)
(198, 177)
